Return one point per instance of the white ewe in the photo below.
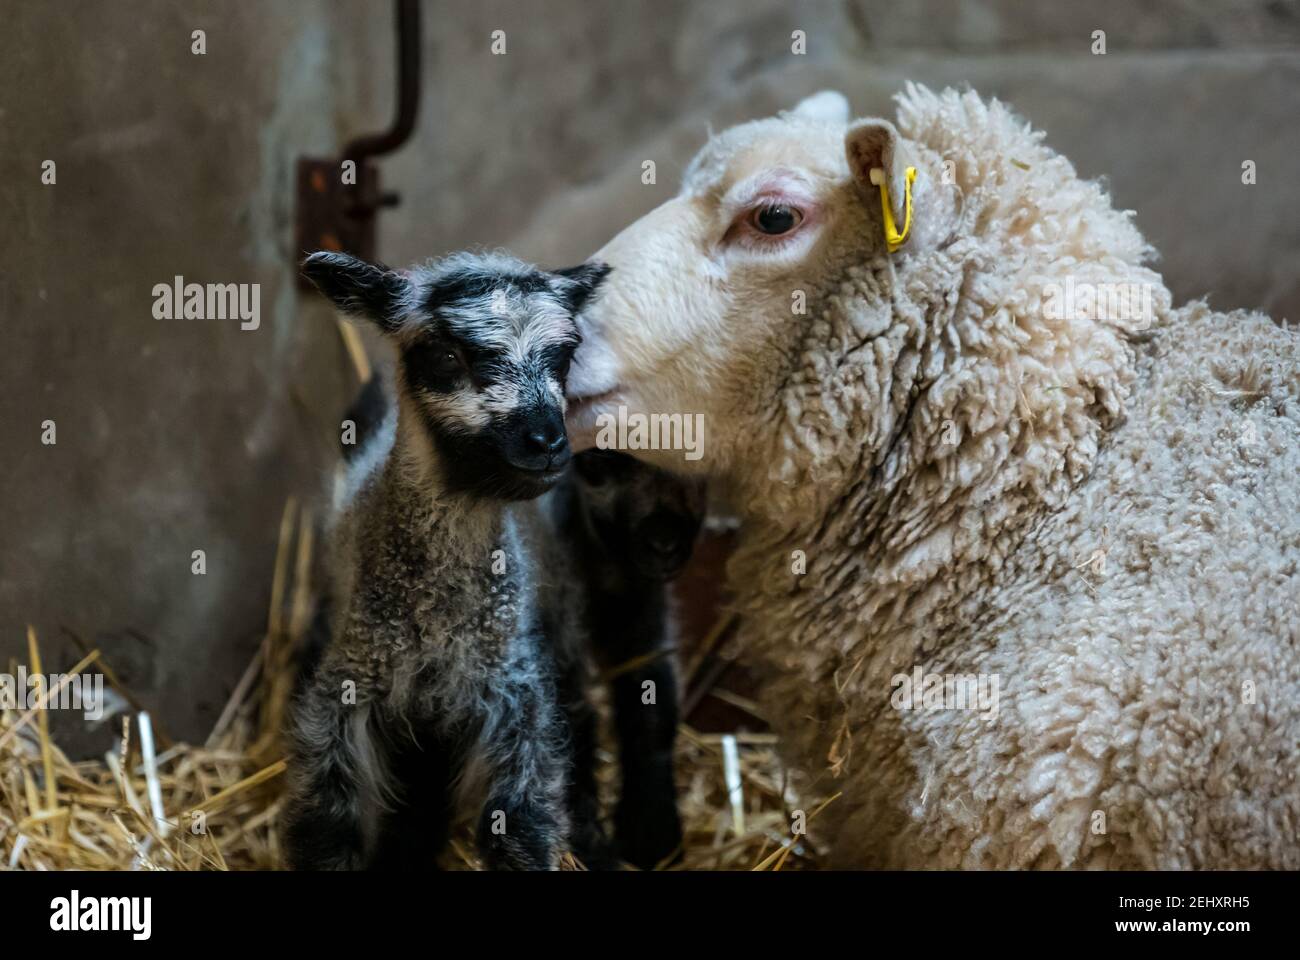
(1008, 463)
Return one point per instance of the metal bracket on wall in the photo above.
(339, 197)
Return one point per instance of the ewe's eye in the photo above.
(775, 219)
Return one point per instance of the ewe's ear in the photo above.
(358, 288)
(875, 145)
(577, 284)
(828, 105)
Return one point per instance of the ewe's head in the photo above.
(712, 292)
(956, 367)
(484, 345)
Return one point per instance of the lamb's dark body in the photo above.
(438, 683)
(631, 527)
(449, 693)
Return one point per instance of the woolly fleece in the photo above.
(1103, 514)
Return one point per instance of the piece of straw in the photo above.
(216, 802)
(152, 785)
(356, 349)
(44, 698)
(735, 789)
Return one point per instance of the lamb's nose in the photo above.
(549, 442)
(664, 541)
(667, 535)
(545, 447)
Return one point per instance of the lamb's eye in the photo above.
(436, 360)
(775, 219)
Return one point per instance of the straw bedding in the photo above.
(217, 805)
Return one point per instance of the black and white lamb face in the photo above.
(484, 344)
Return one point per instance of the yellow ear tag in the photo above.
(893, 238)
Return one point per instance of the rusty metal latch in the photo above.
(336, 204)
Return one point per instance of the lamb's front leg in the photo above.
(646, 822)
(524, 825)
(329, 755)
(587, 836)
(630, 632)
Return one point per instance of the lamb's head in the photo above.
(484, 344)
(639, 512)
(711, 293)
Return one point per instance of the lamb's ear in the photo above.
(358, 288)
(577, 284)
(828, 105)
(875, 145)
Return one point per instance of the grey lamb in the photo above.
(439, 683)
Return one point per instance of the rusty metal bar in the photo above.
(337, 213)
(408, 89)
